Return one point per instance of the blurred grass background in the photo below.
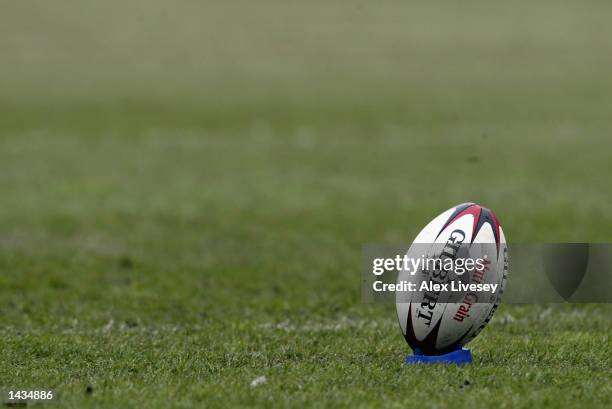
(186, 188)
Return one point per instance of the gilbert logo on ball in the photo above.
(436, 325)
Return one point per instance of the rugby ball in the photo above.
(440, 325)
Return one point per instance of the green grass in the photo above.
(186, 189)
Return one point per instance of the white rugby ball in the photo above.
(436, 328)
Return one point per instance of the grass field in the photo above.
(186, 189)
